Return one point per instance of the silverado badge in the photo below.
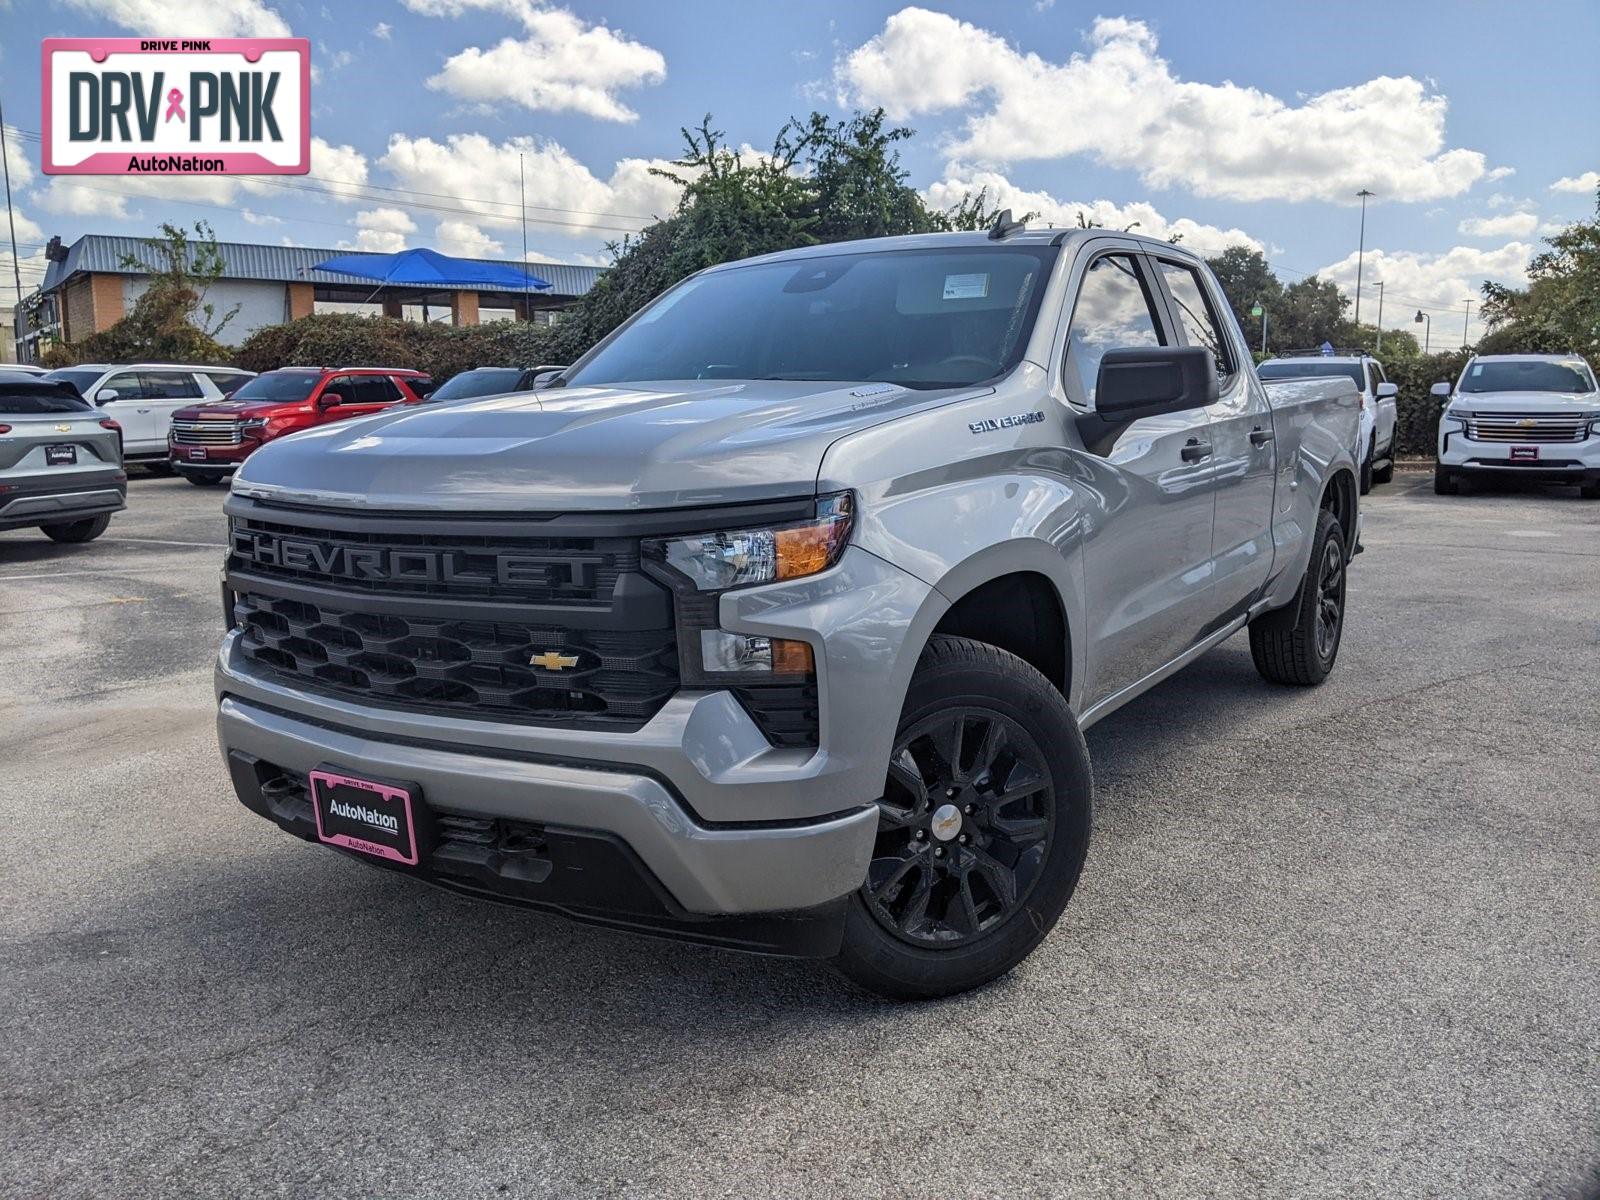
(553, 660)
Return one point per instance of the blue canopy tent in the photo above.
(427, 269)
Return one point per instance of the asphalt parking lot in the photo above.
(1337, 942)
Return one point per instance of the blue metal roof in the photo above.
(104, 253)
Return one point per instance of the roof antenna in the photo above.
(1004, 226)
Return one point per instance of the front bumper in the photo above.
(724, 823)
(1557, 462)
(52, 499)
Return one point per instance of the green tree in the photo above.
(1559, 311)
(1246, 281)
(1310, 312)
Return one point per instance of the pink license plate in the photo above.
(361, 815)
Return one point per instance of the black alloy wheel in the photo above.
(1330, 599)
(964, 828)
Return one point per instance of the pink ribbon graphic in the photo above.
(175, 105)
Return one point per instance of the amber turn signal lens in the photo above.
(792, 658)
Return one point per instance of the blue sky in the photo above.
(1476, 128)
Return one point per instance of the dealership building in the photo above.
(90, 285)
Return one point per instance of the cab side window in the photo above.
(169, 385)
(1114, 311)
(126, 386)
(1196, 317)
(339, 391)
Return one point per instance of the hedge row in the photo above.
(346, 339)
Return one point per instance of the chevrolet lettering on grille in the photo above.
(412, 566)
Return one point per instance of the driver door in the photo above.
(1148, 560)
(130, 410)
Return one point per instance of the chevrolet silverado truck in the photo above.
(1520, 416)
(775, 621)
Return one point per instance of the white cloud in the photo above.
(17, 160)
(1587, 182)
(1122, 104)
(1517, 224)
(562, 194)
(219, 18)
(31, 264)
(465, 240)
(562, 64)
(252, 217)
(1439, 282)
(1000, 192)
(381, 229)
(382, 31)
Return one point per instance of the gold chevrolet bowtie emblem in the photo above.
(553, 660)
(63, 428)
(1526, 423)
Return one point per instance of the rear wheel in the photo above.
(1298, 644)
(1444, 483)
(85, 530)
(1366, 465)
(982, 830)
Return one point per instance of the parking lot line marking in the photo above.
(89, 574)
(164, 542)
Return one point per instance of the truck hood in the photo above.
(238, 410)
(640, 446)
(1525, 402)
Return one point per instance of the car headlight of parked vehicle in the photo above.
(1594, 424)
(1458, 417)
(253, 425)
(704, 565)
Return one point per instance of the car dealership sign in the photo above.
(148, 106)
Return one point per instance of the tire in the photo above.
(1385, 473)
(1366, 465)
(1297, 645)
(944, 911)
(1590, 490)
(159, 469)
(85, 530)
(204, 480)
(1444, 483)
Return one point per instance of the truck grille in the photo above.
(205, 433)
(462, 667)
(448, 617)
(1527, 427)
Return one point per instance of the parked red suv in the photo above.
(209, 441)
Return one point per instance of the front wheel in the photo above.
(1445, 483)
(1385, 473)
(982, 831)
(1297, 644)
(85, 530)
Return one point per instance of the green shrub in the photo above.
(1417, 429)
(346, 339)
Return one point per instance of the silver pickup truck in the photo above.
(774, 622)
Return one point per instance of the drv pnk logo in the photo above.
(202, 106)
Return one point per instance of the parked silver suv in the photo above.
(60, 460)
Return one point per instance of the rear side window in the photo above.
(21, 399)
(374, 389)
(1196, 317)
(169, 385)
(1114, 311)
(1374, 378)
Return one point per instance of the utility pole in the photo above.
(522, 192)
(1426, 322)
(1361, 250)
(5, 159)
(1380, 318)
(1466, 324)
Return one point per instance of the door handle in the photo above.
(1194, 450)
(144, 410)
(1260, 436)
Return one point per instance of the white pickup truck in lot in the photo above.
(774, 621)
(1380, 404)
(1520, 416)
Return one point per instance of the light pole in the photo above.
(1379, 350)
(1467, 323)
(5, 164)
(1426, 322)
(1361, 249)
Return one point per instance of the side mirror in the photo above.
(106, 395)
(545, 376)
(1441, 389)
(1146, 383)
(1386, 390)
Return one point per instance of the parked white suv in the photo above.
(1529, 416)
(1380, 410)
(141, 397)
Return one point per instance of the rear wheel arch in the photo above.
(1339, 498)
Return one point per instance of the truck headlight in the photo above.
(1594, 425)
(1459, 418)
(715, 562)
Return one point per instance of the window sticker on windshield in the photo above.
(1477, 369)
(966, 287)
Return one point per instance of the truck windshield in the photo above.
(1285, 369)
(486, 381)
(919, 318)
(1527, 377)
(279, 385)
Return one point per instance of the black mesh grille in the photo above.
(462, 667)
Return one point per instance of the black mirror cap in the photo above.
(1135, 383)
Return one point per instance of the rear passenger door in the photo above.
(165, 392)
(1241, 434)
(360, 395)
